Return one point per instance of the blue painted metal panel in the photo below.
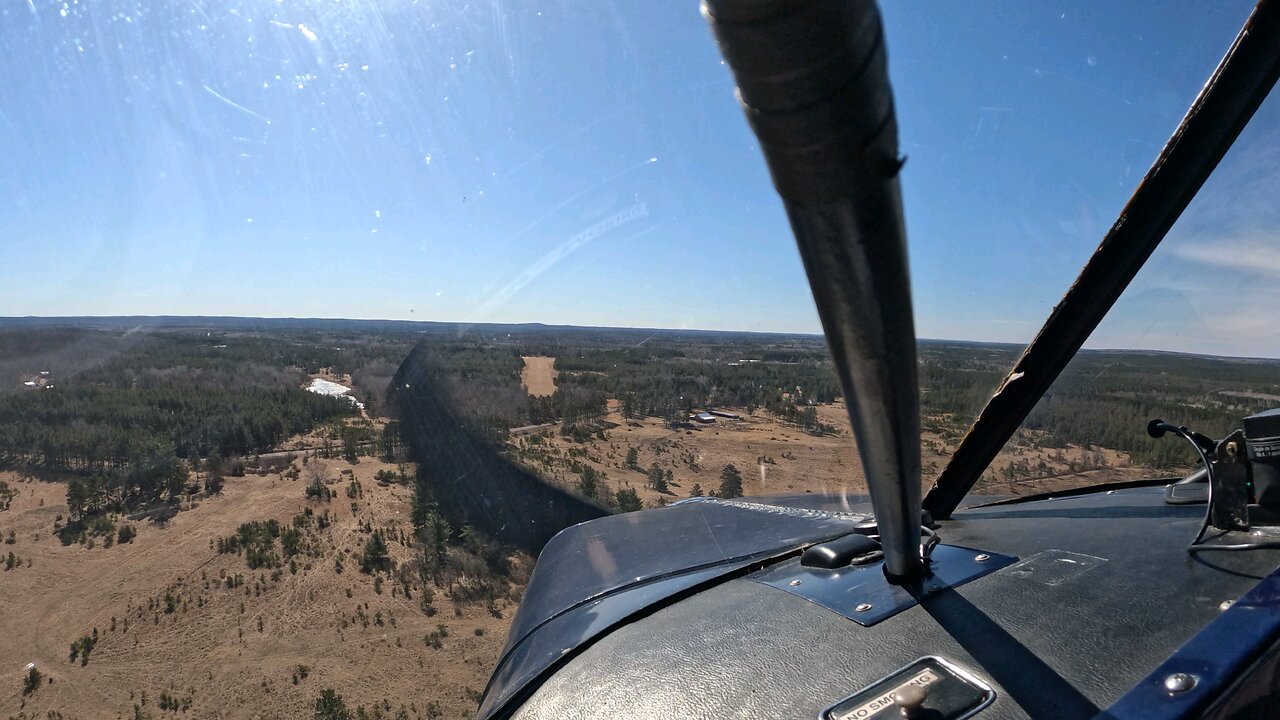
(1216, 657)
(863, 593)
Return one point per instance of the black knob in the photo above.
(1157, 428)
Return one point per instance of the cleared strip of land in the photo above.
(539, 375)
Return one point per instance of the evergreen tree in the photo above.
(32, 682)
(420, 506)
(730, 482)
(658, 479)
(78, 498)
(329, 706)
(349, 447)
(628, 500)
(390, 440)
(375, 554)
(213, 473)
(438, 534)
(589, 482)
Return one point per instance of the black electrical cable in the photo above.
(1208, 506)
(1156, 429)
(926, 548)
(1263, 545)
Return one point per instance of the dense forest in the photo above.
(1103, 398)
(664, 378)
(117, 396)
(663, 382)
(188, 394)
(129, 412)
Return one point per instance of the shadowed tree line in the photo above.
(453, 405)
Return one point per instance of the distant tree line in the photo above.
(654, 383)
(175, 392)
(1103, 399)
(150, 477)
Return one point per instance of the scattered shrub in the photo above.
(375, 554)
(329, 706)
(82, 647)
(32, 681)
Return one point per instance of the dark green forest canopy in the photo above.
(1103, 398)
(117, 397)
(657, 374)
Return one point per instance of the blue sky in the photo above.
(585, 163)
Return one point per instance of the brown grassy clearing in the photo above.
(210, 648)
(539, 375)
(780, 458)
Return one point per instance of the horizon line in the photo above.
(18, 319)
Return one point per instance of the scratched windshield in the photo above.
(319, 317)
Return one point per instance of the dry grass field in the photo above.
(182, 628)
(539, 375)
(175, 617)
(775, 457)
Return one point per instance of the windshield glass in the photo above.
(322, 316)
(1199, 312)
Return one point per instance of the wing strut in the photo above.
(813, 82)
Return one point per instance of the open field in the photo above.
(539, 375)
(234, 652)
(780, 458)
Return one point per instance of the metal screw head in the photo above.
(794, 583)
(862, 607)
(982, 557)
(1233, 448)
(1179, 682)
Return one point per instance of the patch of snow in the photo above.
(320, 386)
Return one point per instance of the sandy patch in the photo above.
(539, 375)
